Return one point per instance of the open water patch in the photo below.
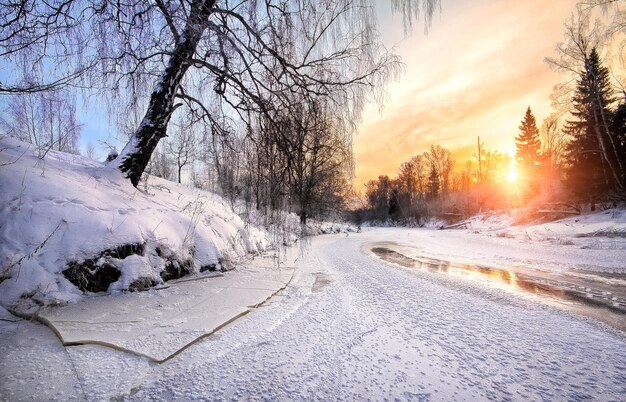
(594, 295)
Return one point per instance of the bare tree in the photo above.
(23, 119)
(298, 159)
(407, 181)
(180, 145)
(319, 160)
(161, 165)
(420, 167)
(617, 11)
(578, 56)
(44, 119)
(494, 164)
(179, 48)
(59, 123)
(554, 141)
(378, 193)
(440, 160)
(90, 151)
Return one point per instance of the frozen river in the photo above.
(352, 326)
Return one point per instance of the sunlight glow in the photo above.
(512, 175)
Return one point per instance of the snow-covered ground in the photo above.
(348, 326)
(591, 241)
(351, 326)
(610, 223)
(70, 224)
(161, 322)
(62, 210)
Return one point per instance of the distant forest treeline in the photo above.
(578, 156)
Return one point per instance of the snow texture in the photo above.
(352, 327)
(591, 241)
(349, 326)
(67, 208)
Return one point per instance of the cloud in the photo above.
(475, 74)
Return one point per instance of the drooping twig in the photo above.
(36, 249)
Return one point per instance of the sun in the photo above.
(511, 174)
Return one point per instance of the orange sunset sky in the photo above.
(475, 73)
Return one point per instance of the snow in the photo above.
(161, 322)
(608, 223)
(375, 332)
(130, 147)
(588, 242)
(65, 208)
(350, 326)
(34, 365)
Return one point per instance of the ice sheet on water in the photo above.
(161, 322)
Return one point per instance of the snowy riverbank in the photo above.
(594, 241)
(69, 224)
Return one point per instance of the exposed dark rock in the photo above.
(175, 269)
(159, 252)
(96, 274)
(91, 277)
(210, 268)
(123, 251)
(142, 284)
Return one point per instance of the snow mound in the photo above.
(609, 223)
(70, 225)
(489, 221)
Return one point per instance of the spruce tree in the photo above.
(528, 144)
(595, 164)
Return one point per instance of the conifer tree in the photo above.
(594, 152)
(528, 143)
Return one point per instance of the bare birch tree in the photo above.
(44, 119)
(180, 144)
(553, 140)
(181, 48)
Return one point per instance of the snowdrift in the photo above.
(70, 225)
(591, 230)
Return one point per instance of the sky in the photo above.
(474, 74)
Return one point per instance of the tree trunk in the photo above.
(605, 153)
(136, 154)
(620, 181)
